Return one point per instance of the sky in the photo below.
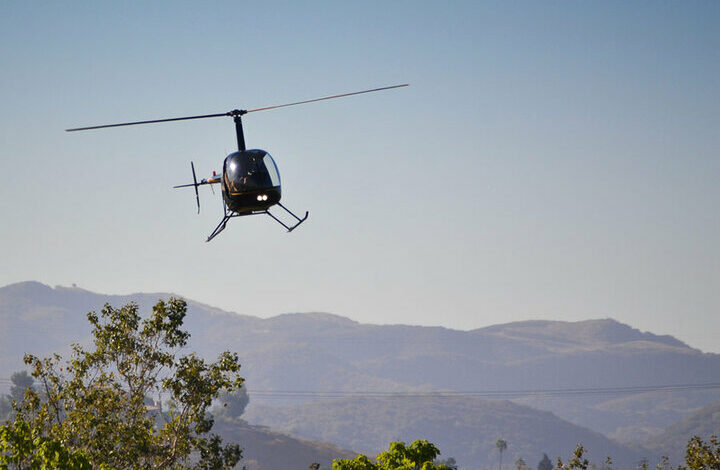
(550, 160)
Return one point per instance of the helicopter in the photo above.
(250, 180)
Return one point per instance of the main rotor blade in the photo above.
(234, 112)
(147, 122)
(327, 98)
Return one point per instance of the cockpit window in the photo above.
(272, 170)
(250, 170)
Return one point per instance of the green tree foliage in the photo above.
(701, 455)
(449, 462)
(96, 402)
(576, 462)
(22, 447)
(420, 455)
(545, 463)
(501, 445)
(664, 463)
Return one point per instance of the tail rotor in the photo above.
(194, 184)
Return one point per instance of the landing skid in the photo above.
(229, 215)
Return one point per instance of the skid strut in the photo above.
(223, 223)
(299, 220)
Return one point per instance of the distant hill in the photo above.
(587, 335)
(671, 442)
(264, 449)
(463, 428)
(319, 352)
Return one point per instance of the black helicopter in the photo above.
(250, 180)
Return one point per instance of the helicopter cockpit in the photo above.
(250, 170)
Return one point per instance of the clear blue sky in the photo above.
(551, 160)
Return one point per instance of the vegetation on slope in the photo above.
(705, 422)
(466, 428)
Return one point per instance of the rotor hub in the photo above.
(237, 112)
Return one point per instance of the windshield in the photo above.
(272, 170)
(250, 170)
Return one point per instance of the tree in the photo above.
(21, 381)
(420, 455)
(95, 403)
(701, 455)
(545, 463)
(501, 445)
(5, 407)
(449, 462)
(521, 465)
(232, 404)
(576, 462)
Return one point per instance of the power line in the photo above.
(514, 393)
(506, 393)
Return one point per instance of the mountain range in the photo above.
(322, 376)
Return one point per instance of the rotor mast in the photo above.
(237, 117)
